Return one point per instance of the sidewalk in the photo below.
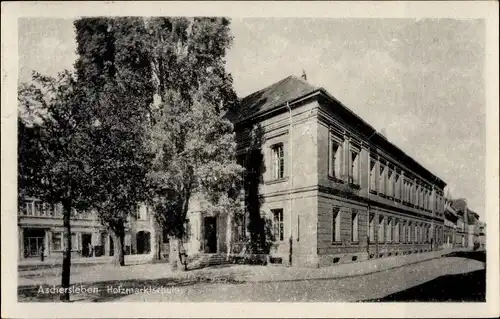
(36, 263)
(161, 273)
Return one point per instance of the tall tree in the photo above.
(114, 66)
(194, 145)
(53, 150)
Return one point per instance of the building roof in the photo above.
(292, 89)
(274, 95)
(460, 205)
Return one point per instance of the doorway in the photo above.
(210, 235)
(143, 239)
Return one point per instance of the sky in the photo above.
(421, 81)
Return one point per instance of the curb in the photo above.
(343, 276)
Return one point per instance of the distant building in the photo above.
(450, 225)
(462, 234)
(482, 233)
(40, 228)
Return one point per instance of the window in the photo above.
(57, 241)
(373, 175)
(415, 233)
(421, 201)
(390, 178)
(405, 191)
(381, 178)
(397, 186)
(298, 227)
(408, 233)
(417, 198)
(74, 241)
(37, 208)
(381, 229)
(371, 227)
(278, 161)
(403, 232)
(278, 224)
(336, 224)
(354, 168)
(29, 208)
(396, 230)
(354, 227)
(412, 193)
(335, 158)
(389, 230)
(425, 199)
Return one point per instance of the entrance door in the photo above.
(210, 235)
(143, 242)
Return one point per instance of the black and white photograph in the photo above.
(236, 158)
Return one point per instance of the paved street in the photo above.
(443, 279)
(460, 276)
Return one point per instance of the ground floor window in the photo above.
(57, 241)
(381, 229)
(278, 226)
(34, 241)
(336, 225)
(371, 227)
(354, 227)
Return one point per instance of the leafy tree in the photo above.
(195, 154)
(114, 67)
(53, 150)
(193, 144)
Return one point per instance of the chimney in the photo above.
(304, 76)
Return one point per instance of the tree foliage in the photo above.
(53, 151)
(194, 145)
(114, 68)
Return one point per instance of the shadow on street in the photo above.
(469, 286)
(476, 255)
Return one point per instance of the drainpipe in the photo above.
(290, 186)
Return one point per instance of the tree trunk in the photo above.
(119, 258)
(66, 266)
(229, 235)
(176, 250)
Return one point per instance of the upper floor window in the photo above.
(421, 197)
(335, 158)
(426, 199)
(390, 178)
(354, 167)
(381, 178)
(397, 186)
(373, 174)
(278, 161)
